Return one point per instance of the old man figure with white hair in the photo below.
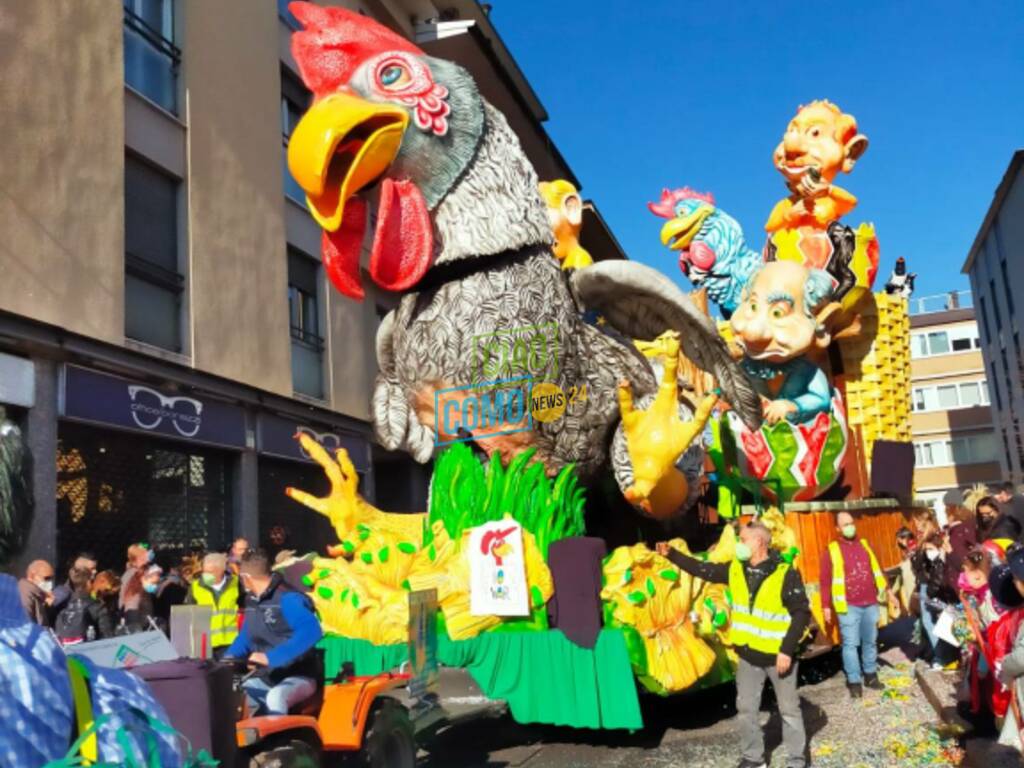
(769, 615)
(218, 588)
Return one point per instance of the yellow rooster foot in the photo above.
(657, 437)
(666, 345)
(343, 506)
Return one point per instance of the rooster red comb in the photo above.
(666, 207)
(335, 41)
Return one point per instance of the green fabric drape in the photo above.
(543, 676)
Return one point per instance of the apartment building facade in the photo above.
(951, 421)
(995, 265)
(165, 323)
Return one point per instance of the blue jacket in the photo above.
(280, 623)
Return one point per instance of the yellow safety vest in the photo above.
(839, 574)
(224, 626)
(760, 626)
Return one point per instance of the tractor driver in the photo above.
(278, 637)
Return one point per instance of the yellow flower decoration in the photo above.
(655, 598)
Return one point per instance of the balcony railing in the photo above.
(920, 305)
(151, 62)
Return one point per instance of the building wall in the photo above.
(237, 263)
(934, 424)
(62, 201)
(996, 269)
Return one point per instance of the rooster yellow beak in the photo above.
(342, 144)
(678, 232)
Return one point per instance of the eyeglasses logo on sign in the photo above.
(149, 408)
(330, 441)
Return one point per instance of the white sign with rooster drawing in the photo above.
(497, 569)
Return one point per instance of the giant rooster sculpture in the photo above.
(462, 233)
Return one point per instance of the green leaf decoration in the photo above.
(407, 548)
(308, 580)
(432, 553)
(407, 586)
(344, 594)
(384, 554)
(465, 493)
(363, 527)
(355, 600)
(325, 592)
(324, 573)
(650, 586)
(669, 574)
(627, 576)
(636, 597)
(366, 557)
(364, 535)
(348, 546)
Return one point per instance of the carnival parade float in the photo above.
(566, 404)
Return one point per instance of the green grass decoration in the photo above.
(465, 493)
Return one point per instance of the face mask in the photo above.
(208, 579)
(151, 588)
(47, 585)
(743, 552)
(849, 531)
(932, 554)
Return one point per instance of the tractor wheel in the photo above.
(294, 754)
(389, 741)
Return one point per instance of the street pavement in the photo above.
(892, 728)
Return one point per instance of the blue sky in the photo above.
(644, 95)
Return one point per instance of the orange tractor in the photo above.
(350, 720)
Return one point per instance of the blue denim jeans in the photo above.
(858, 627)
(926, 618)
(267, 699)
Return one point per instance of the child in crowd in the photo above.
(904, 586)
(978, 610)
(1006, 647)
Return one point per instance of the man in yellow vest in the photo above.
(218, 589)
(769, 615)
(852, 586)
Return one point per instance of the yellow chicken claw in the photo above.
(343, 506)
(656, 437)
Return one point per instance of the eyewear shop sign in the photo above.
(277, 438)
(105, 399)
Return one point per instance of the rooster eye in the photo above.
(393, 75)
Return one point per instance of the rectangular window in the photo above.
(938, 343)
(154, 287)
(151, 59)
(919, 345)
(995, 305)
(970, 394)
(962, 344)
(1006, 375)
(984, 319)
(304, 319)
(1006, 288)
(948, 397)
(995, 385)
(294, 100)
